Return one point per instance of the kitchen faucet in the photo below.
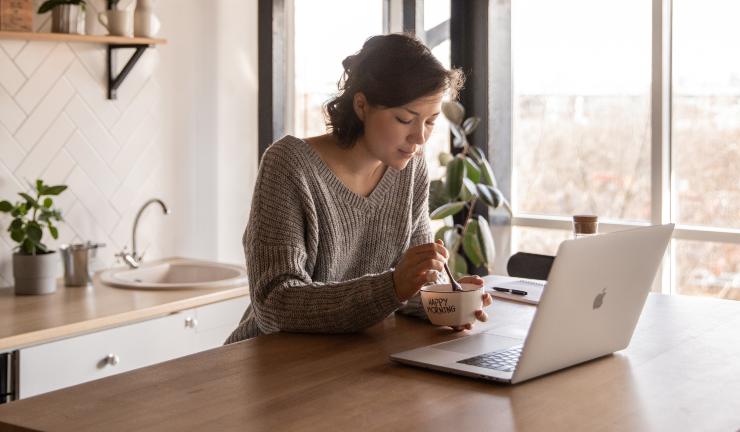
(133, 259)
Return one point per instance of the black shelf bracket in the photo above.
(115, 82)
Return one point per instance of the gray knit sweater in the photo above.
(319, 257)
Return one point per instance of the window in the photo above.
(322, 41)
(706, 142)
(436, 14)
(581, 126)
(582, 138)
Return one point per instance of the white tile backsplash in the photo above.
(11, 115)
(33, 55)
(97, 135)
(12, 153)
(38, 159)
(38, 122)
(10, 75)
(39, 84)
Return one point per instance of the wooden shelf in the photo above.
(63, 37)
(111, 42)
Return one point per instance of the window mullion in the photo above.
(661, 129)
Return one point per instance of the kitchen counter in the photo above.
(679, 373)
(31, 320)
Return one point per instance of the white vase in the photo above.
(146, 24)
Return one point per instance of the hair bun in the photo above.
(349, 62)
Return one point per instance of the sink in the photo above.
(176, 273)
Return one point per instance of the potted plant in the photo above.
(67, 16)
(34, 265)
(469, 179)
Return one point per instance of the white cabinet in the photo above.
(79, 359)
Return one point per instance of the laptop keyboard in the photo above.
(504, 360)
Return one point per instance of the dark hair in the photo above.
(390, 70)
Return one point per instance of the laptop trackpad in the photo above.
(479, 344)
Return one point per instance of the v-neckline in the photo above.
(374, 198)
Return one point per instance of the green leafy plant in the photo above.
(30, 215)
(51, 4)
(469, 179)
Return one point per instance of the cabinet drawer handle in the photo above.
(112, 359)
(191, 322)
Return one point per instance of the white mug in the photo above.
(118, 22)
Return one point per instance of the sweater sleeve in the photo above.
(284, 297)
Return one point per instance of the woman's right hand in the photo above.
(413, 269)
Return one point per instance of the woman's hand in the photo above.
(413, 270)
(479, 314)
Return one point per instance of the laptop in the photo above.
(595, 293)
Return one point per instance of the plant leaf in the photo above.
(15, 225)
(53, 231)
(440, 234)
(477, 154)
(30, 201)
(490, 195)
(472, 171)
(55, 190)
(6, 206)
(458, 265)
(469, 190)
(458, 137)
(453, 111)
(28, 247)
(471, 243)
(486, 171)
(437, 194)
(48, 202)
(444, 158)
(470, 124)
(33, 231)
(455, 175)
(17, 235)
(487, 243)
(448, 209)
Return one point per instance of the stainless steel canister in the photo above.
(77, 259)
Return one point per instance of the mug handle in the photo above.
(103, 19)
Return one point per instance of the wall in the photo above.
(182, 129)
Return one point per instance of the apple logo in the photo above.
(599, 299)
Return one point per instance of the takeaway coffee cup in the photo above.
(452, 308)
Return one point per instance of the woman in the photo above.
(338, 236)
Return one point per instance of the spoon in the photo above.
(455, 285)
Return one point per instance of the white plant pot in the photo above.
(35, 274)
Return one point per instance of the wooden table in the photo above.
(681, 372)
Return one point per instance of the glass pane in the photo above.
(706, 112)
(321, 43)
(436, 12)
(707, 269)
(537, 240)
(581, 127)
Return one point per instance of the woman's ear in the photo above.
(359, 103)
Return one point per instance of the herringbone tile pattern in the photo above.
(56, 124)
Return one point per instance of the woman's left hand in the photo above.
(479, 314)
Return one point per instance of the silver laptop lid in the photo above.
(596, 290)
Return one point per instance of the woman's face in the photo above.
(395, 135)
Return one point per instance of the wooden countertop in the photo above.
(679, 373)
(30, 320)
